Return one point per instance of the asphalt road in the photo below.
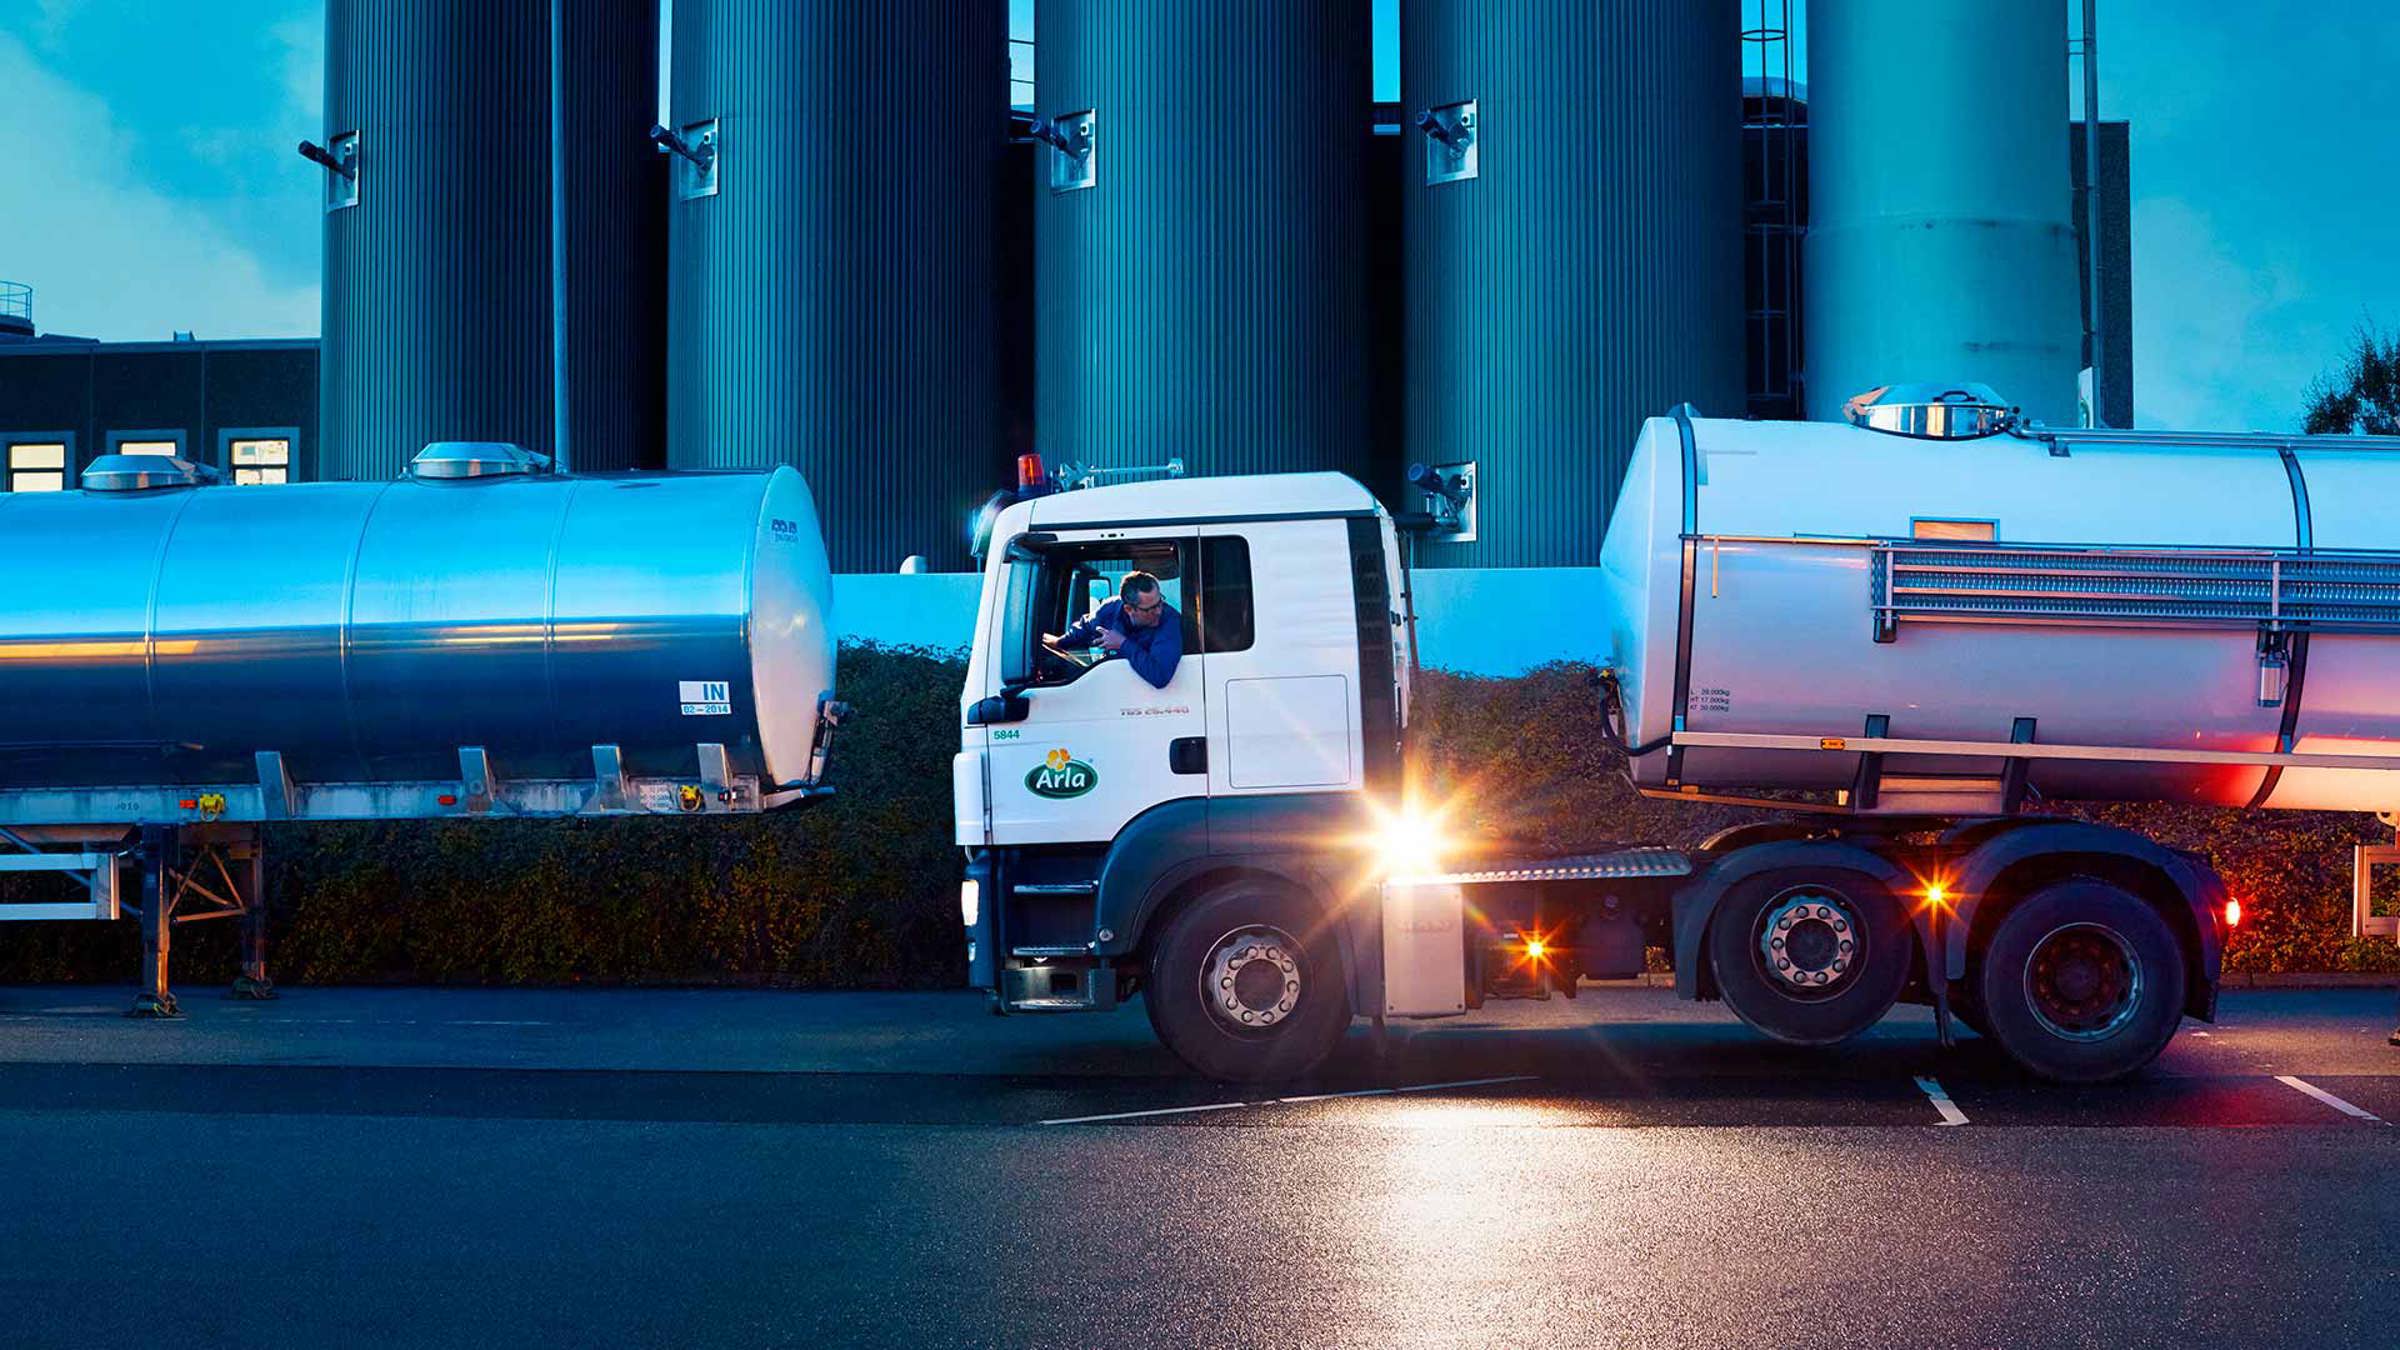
(480, 1168)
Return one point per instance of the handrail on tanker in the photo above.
(2224, 440)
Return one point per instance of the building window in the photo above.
(257, 454)
(260, 461)
(37, 465)
(166, 443)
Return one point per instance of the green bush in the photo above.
(861, 890)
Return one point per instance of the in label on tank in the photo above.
(706, 698)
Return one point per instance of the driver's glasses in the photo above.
(1146, 613)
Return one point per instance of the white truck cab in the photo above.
(1100, 813)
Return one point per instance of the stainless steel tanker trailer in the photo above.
(1900, 635)
(479, 639)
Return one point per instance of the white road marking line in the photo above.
(2311, 1089)
(1161, 1111)
(1331, 1096)
(1281, 1101)
(1470, 1082)
(495, 1022)
(1932, 1089)
(2200, 1033)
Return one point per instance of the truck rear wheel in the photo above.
(1246, 984)
(2082, 982)
(1811, 956)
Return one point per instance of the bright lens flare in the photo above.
(1408, 843)
(1937, 895)
(1536, 949)
(2233, 913)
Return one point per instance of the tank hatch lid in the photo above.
(1932, 412)
(137, 473)
(475, 459)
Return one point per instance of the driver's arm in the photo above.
(1084, 631)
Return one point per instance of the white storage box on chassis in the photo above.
(1424, 953)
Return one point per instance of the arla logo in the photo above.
(1061, 775)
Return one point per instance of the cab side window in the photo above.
(1064, 584)
(1228, 615)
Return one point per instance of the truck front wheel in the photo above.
(1246, 984)
(2082, 982)
(1811, 956)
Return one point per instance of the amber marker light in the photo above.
(1536, 949)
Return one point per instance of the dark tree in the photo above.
(2364, 400)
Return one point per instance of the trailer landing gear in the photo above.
(221, 876)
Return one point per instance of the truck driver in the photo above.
(1138, 625)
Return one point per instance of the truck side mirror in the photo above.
(1030, 547)
(1004, 707)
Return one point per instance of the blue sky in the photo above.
(151, 185)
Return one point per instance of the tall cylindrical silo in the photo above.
(830, 296)
(1200, 273)
(1573, 217)
(438, 318)
(1940, 245)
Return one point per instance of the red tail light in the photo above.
(2233, 913)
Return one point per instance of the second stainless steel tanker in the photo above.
(1948, 625)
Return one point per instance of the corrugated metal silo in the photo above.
(831, 293)
(1574, 250)
(1940, 245)
(438, 322)
(1205, 296)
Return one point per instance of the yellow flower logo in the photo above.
(1058, 760)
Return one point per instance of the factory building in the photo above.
(247, 408)
(857, 244)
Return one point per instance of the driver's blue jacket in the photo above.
(1152, 652)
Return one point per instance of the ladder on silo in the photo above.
(1772, 125)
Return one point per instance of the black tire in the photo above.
(1204, 1035)
(2108, 993)
(1850, 1001)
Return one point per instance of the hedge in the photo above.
(860, 891)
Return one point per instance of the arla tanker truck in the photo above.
(480, 639)
(1908, 629)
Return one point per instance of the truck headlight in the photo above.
(1409, 843)
(970, 901)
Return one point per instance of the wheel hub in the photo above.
(2083, 982)
(1252, 977)
(1809, 940)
